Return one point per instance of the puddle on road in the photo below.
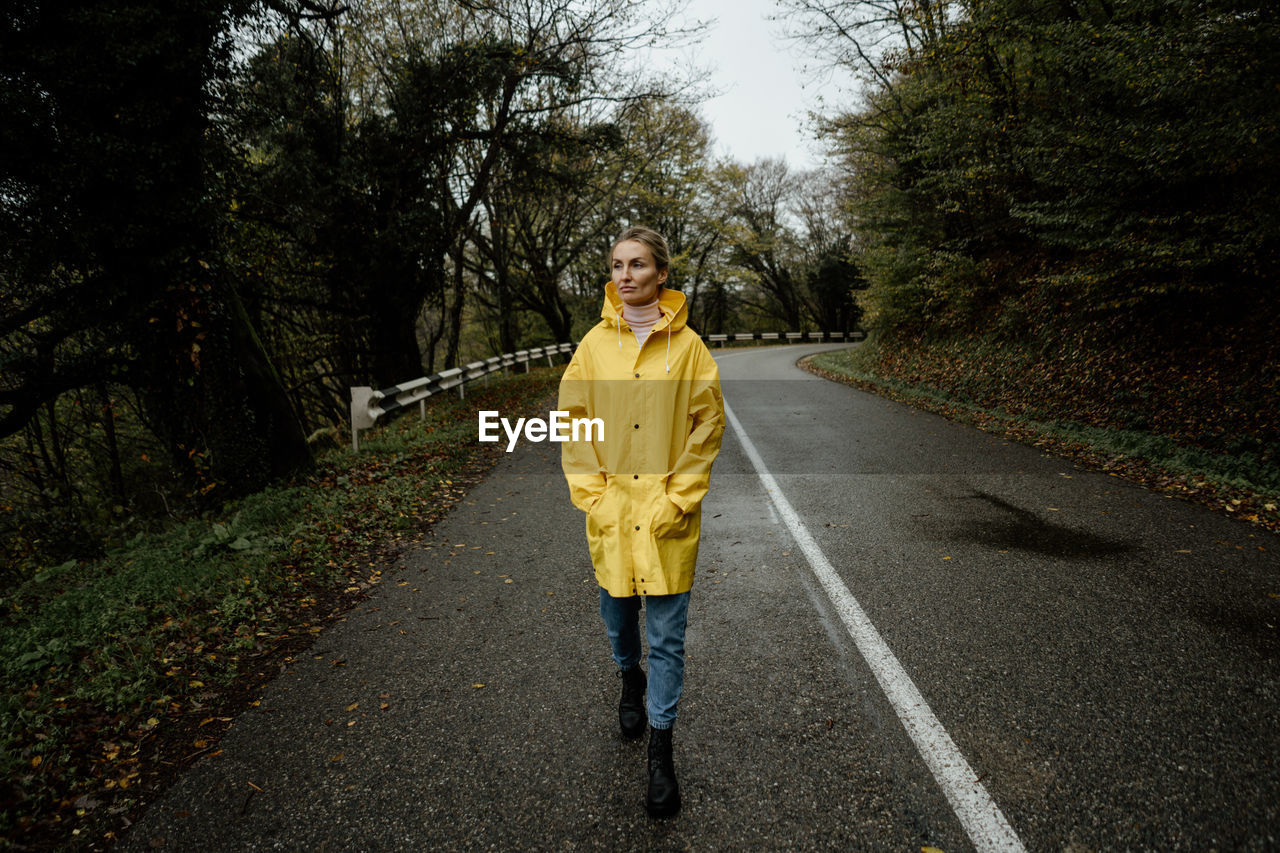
(1022, 530)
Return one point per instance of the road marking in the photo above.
(978, 813)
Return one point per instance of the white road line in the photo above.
(978, 813)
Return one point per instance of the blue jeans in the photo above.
(665, 620)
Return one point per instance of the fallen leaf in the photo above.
(353, 706)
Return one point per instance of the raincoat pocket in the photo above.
(601, 516)
(668, 519)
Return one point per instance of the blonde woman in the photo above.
(653, 383)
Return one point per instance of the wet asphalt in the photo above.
(1107, 660)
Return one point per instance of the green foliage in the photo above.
(1042, 160)
(112, 274)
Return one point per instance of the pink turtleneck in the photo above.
(642, 318)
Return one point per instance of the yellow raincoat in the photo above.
(642, 485)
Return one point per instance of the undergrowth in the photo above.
(101, 660)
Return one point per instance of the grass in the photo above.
(1241, 484)
(119, 671)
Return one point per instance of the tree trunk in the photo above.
(455, 311)
(394, 334)
(115, 475)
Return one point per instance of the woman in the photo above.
(651, 380)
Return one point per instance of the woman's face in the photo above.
(634, 273)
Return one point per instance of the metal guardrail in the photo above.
(367, 405)
(790, 337)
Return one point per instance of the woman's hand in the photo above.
(667, 517)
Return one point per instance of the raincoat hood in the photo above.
(672, 304)
(674, 307)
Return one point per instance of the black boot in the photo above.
(663, 799)
(631, 715)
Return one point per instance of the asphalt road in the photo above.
(1103, 659)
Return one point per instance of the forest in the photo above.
(218, 217)
(1063, 208)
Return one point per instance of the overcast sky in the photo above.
(763, 111)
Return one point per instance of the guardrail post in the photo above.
(360, 417)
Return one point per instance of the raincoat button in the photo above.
(637, 527)
(637, 426)
(635, 476)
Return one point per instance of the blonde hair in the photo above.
(655, 242)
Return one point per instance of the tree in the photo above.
(530, 61)
(111, 217)
(760, 238)
(669, 150)
(829, 274)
